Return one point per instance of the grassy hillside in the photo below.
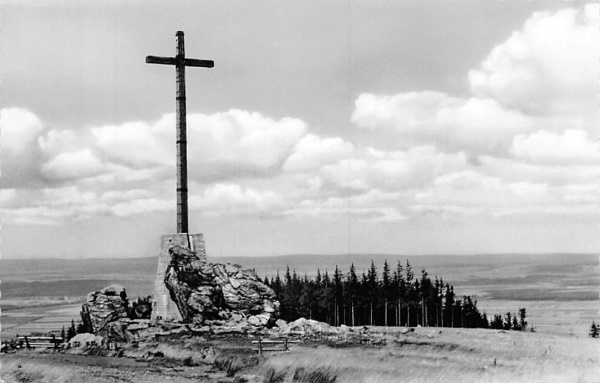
(426, 355)
(456, 355)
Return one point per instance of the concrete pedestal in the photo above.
(162, 306)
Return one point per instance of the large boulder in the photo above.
(223, 294)
(104, 307)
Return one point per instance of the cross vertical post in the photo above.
(181, 131)
(180, 62)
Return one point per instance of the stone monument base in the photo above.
(162, 306)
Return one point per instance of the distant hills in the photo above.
(268, 266)
(488, 273)
(435, 264)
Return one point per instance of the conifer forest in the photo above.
(391, 298)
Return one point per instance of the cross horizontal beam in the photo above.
(176, 61)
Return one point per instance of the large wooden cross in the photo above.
(180, 62)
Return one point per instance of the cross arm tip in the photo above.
(161, 60)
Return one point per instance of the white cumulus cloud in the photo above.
(474, 124)
(242, 137)
(372, 168)
(19, 128)
(571, 147)
(548, 67)
(233, 199)
(73, 165)
(312, 152)
(136, 144)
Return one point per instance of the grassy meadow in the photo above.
(456, 355)
(425, 355)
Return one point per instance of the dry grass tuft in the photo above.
(234, 364)
(321, 374)
(274, 375)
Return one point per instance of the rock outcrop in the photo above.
(303, 326)
(218, 294)
(85, 340)
(104, 307)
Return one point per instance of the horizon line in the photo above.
(308, 255)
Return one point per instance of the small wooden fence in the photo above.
(40, 341)
(262, 345)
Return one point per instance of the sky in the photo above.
(325, 127)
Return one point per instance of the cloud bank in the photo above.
(524, 142)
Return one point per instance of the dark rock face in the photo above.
(218, 294)
(141, 308)
(104, 307)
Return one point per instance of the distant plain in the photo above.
(560, 291)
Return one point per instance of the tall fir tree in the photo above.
(337, 296)
(386, 293)
(411, 293)
(354, 292)
(372, 291)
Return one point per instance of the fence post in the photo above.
(27, 343)
(259, 345)
(285, 344)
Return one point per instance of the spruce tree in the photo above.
(289, 304)
(337, 296)
(497, 322)
(508, 321)
(326, 297)
(484, 321)
(449, 305)
(522, 319)
(353, 291)
(437, 294)
(516, 326)
(401, 293)
(410, 290)
(306, 298)
(386, 290)
(72, 331)
(594, 330)
(373, 293)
